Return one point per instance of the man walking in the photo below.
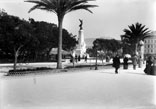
(116, 63)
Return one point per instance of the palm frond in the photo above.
(85, 7)
(47, 5)
(61, 6)
(136, 32)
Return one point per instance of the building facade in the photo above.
(150, 44)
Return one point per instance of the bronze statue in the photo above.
(81, 23)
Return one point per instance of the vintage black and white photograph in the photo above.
(77, 54)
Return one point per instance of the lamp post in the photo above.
(96, 48)
(96, 61)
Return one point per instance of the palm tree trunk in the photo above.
(136, 49)
(16, 53)
(59, 61)
(15, 60)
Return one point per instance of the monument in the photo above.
(81, 47)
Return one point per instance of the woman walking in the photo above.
(125, 64)
(149, 65)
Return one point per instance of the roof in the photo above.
(54, 51)
(152, 35)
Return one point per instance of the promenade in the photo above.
(80, 89)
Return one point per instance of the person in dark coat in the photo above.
(79, 58)
(76, 58)
(71, 59)
(125, 64)
(116, 63)
(149, 62)
(154, 66)
(86, 58)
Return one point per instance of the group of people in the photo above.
(116, 63)
(77, 58)
(150, 64)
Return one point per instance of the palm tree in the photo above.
(135, 34)
(61, 8)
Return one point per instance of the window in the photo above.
(145, 51)
(148, 50)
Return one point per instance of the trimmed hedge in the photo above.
(24, 71)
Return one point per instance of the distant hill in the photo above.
(89, 41)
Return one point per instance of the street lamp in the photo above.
(96, 48)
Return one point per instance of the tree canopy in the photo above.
(32, 39)
(105, 47)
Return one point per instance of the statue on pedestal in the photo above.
(81, 46)
(81, 23)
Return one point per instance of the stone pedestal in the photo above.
(81, 47)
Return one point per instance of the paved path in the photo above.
(92, 89)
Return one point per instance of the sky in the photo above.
(109, 19)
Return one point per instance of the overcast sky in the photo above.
(107, 20)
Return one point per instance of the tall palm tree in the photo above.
(135, 34)
(61, 8)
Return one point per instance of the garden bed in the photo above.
(34, 70)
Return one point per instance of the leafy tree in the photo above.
(47, 34)
(134, 34)
(69, 41)
(15, 36)
(107, 45)
(2, 12)
(91, 52)
(60, 8)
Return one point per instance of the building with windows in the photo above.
(150, 44)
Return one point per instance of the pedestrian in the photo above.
(134, 61)
(154, 66)
(149, 65)
(76, 58)
(116, 63)
(107, 58)
(71, 59)
(125, 64)
(79, 58)
(86, 58)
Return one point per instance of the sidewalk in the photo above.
(4, 68)
(91, 89)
